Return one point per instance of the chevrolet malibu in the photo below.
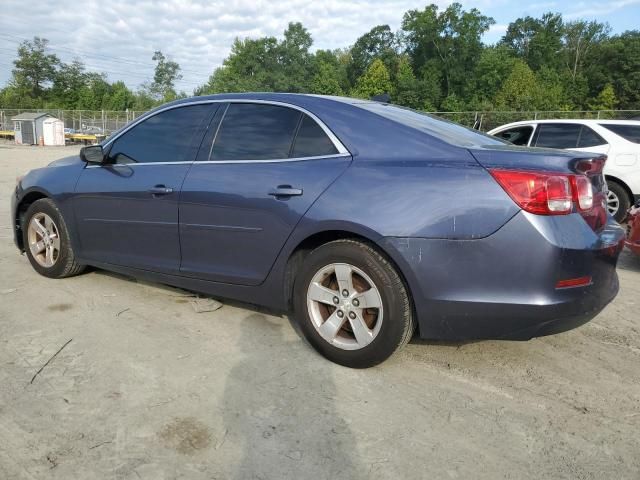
(366, 220)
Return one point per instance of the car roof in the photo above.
(570, 120)
(360, 126)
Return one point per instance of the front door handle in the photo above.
(160, 190)
(285, 191)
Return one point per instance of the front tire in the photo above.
(351, 304)
(46, 241)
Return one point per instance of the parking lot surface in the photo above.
(147, 388)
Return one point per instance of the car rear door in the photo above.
(257, 173)
(572, 136)
(126, 210)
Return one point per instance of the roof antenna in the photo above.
(383, 98)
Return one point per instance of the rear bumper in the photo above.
(503, 286)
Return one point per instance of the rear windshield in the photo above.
(628, 132)
(445, 130)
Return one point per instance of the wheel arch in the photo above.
(317, 239)
(27, 199)
(622, 184)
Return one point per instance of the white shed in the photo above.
(53, 131)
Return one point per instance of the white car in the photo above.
(618, 139)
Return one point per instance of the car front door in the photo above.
(520, 135)
(258, 172)
(126, 210)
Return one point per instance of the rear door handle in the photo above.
(160, 190)
(285, 191)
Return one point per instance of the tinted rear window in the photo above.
(558, 135)
(589, 138)
(449, 132)
(255, 132)
(311, 140)
(630, 133)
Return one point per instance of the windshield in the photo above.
(445, 130)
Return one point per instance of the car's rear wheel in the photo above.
(46, 241)
(351, 304)
(618, 201)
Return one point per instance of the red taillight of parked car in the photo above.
(538, 192)
(547, 193)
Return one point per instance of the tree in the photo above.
(68, 82)
(375, 81)
(119, 98)
(616, 61)
(449, 41)
(166, 73)
(265, 64)
(493, 67)
(34, 67)
(606, 99)
(520, 90)
(326, 80)
(536, 41)
(377, 43)
(407, 89)
(295, 59)
(579, 38)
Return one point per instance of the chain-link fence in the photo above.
(80, 121)
(106, 121)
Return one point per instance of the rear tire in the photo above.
(351, 304)
(46, 241)
(618, 201)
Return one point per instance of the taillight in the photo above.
(582, 191)
(545, 193)
(538, 192)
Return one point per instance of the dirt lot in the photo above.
(149, 389)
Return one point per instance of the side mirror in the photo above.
(92, 154)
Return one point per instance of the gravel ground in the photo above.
(147, 388)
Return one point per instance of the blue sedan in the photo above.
(366, 220)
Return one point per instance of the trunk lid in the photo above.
(565, 162)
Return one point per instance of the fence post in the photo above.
(598, 115)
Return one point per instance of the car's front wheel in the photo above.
(46, 241)
(351, 304)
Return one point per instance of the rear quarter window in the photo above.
(630, 133)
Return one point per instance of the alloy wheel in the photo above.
(345, 306)
(44, 240)
(613, 203)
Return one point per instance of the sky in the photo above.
(119, 36)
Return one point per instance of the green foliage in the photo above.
(378, 43)
(34, 67)
(520, 90)
(375, 81)
(326, 80)
(166, 73)
(449, 41)
(606, 99)
(436, 61)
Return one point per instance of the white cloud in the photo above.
(196, 33)
(593, 9)
(120, 36)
